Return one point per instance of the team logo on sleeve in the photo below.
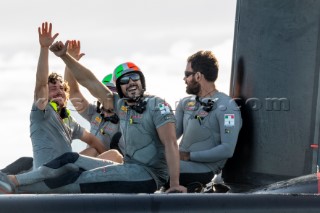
(164, 108)
(229, 120)
(124, 108)
(190, 106)
(98, 119)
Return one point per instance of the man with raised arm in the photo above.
(52, 128)
(148, 128)
(103, 124)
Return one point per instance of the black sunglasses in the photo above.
(113, 89)
(125, 79)
(188, 73)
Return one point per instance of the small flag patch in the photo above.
(229, 120)
(164, 108)
(124, 108)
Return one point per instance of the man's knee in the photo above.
(69, 157)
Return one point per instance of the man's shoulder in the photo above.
(226, 103)
(153, 99)
(35, 109)
(223, 98)
(158, 104)
(189, 98)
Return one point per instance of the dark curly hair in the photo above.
(54, 77)
(206, 63)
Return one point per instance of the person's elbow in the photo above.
(229, 151)
(229, 154)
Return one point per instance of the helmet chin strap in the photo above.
(134, 98)
(140, 103)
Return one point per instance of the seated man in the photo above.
(44, 148)
(209, 122)
(52, 128)
(147, 125)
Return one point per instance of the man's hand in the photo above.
(177, 189)
(184, 155)
(45, 35)
(74, 49)
(59, 49)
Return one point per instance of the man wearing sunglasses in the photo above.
(148, 129)
(209, 122)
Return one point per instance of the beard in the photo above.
(133, 96)
(193, 87)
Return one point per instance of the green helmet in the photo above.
(126, 68)
(108, 81)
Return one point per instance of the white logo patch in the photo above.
(164, 108)
(228, 120)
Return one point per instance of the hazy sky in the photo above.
(156, 35)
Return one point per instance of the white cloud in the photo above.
(180, 48)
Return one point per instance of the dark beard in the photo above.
(134, 98)
(193, 88)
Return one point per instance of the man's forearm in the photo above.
(172, 156)
(43, 66)
(41, 90)
(87, 79)
(73, 84)
(81, 74)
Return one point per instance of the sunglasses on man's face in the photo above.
(113, 89)
(188, 73)
(125, 79)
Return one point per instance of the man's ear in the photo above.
(198, 75)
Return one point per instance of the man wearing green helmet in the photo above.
(103, 124)
(148, 128)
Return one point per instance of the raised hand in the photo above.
(45, 35)
(58, 48)
(74, 49)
